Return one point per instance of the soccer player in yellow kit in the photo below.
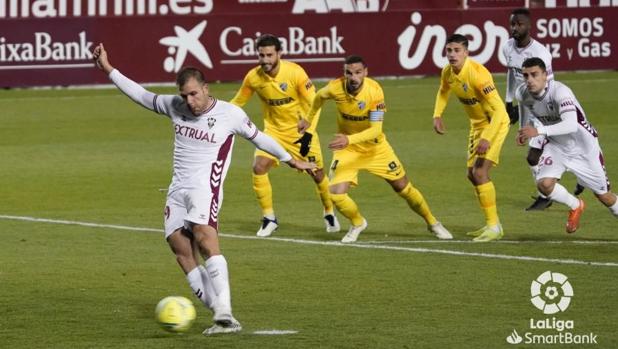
(489, 124)
(360, 144)
(286, 93)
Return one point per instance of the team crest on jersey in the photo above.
(361, 105)
(283, 86)
(308, 85)
(211, 122)
(465, 87)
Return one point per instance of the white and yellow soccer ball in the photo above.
(175, 314)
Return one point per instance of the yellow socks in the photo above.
(417, 203)
(322, 189)
(486, 194)
(264, 193)
(347, 207)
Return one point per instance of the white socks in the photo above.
(200, 286)
(561, 195)
(217, 271)
(614, 208)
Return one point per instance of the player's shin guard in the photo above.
(196, 282)
(322, 189)
(486, 194)
(217, 271)
(561, 195)
(211, 295)
(417, 203)
(264, 193)
(348, 208)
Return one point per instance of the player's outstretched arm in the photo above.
(100, 59)
(301, 165)
(129, 87)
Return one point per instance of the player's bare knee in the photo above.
(478, 177)
(546, 185)
(608, 199)
(207, 240)
(259, 169)
(261, 165)
(399, 184)
(317, 175)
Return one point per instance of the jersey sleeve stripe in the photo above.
(254, 134)
(154, 104)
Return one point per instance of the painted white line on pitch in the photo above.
(514, 242)
(275, 332)
(85, 224)
(329, 243)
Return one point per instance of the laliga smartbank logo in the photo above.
(551, 293)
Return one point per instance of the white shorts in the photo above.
(198, 206)
(537, 142)
(589, 169)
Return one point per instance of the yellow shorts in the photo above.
(495, 145)
(287, 142)
(381, 162)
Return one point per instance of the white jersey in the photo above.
(203, 144)
(558, 115)
(515, 57)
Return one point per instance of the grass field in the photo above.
(93, 156)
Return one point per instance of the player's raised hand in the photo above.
(302, 165)
(438, 125)
(100, 59)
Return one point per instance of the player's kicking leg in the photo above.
(216, 267)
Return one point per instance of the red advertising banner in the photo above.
(55, 50)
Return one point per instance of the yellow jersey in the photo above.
(359, 116)
(475, 89)
(285, 98)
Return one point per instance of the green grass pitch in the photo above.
(94, 156)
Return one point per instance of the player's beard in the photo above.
(269, 67)
(353, 86)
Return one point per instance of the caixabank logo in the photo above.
(551, 294)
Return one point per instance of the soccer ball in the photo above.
(175, 313)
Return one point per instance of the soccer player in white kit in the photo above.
(573, 142)
(517, 49)
(204, 130)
